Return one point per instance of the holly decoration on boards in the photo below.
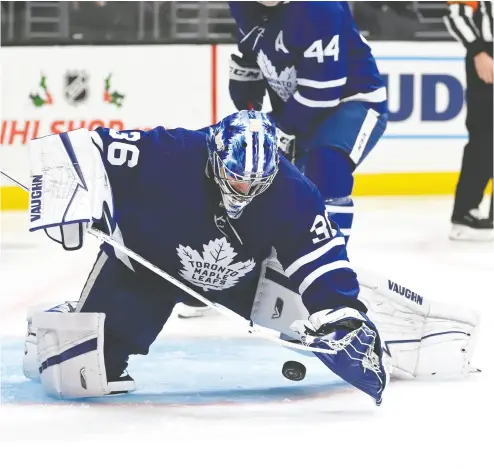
(112, 97)
(43, 96)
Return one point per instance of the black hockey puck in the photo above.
(294, 371)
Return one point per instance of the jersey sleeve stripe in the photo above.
(376, 96)
(311, 278)
(312, 256)
(340, 209)
(313, 103)
(321, 84)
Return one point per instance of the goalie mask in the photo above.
(243, 155)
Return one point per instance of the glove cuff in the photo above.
(332, 316)
(241, 72)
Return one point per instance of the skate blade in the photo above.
(121, 387)
(473, 370)
(187, 312)
(464, 233)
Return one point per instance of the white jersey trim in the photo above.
(339, 208)
(310, 279)
(312, 256)
(95, 136)
(376, 96)
(321, 84)
(313, 103)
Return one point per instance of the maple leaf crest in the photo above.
(283, 84)
(213, 270)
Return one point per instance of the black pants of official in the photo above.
(476, 169)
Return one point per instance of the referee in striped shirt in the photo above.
(471, 24)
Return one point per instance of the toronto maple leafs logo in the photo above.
(283, 84)
(214, 269)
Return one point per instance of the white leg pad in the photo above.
(30, 364)
(70, 354)
(423, 338)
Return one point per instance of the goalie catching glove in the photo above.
(68, 186)
(352, 335)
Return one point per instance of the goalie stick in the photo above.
(103, 237)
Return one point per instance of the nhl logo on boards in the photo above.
(76, 87)
(213, 270)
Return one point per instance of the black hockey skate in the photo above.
(471, 227)
(121, 385)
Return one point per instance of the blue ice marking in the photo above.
(191, 371)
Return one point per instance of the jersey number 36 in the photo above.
(322, 229)
(120, 153)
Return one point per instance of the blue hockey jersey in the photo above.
(313, 58)
(167, 209)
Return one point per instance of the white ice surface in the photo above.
(245, 414)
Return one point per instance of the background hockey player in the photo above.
(206, 207)
(328, 98)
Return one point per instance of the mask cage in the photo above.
(223, 176)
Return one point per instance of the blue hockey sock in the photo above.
(332, 172)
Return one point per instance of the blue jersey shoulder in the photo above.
(293, 181)
(306, 22)
(140, 161)
(167, 140)
(147, 147)
(247, 15)
(295, 197)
